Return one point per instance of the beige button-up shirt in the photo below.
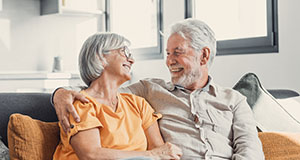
(209, 123)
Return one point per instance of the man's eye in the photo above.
(177, 53)
(168, 53)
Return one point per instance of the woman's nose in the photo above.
(131, 60)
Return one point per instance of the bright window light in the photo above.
(234, 19)
(136, 20)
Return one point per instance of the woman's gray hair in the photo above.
(198, 33)
(91, 55)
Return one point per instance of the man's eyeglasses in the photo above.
(126, 52)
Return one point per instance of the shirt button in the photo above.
(196, 120)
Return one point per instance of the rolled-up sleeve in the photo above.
(88, 118)
(148, 115)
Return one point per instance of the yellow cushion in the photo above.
(31, 139)
(280, 145)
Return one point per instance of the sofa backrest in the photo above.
(35, 105)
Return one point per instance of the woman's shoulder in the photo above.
(133, 101)
(86, 104)
(79, 105)
(131, 97)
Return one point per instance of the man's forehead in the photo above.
(177, 42)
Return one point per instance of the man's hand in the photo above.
(166, 151)
(63, 103)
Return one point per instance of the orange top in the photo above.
(121, 129)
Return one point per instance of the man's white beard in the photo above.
(187, 79)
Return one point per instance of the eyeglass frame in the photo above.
(127, 52)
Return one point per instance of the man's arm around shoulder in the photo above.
(62, 99)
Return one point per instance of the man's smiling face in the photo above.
(183, 61)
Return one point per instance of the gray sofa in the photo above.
(38, 106)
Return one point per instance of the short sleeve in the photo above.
(88, 118)
(148, 115)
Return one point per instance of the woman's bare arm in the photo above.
(155, 142)
(154, 137)
(87, 145)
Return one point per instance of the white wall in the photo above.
(28, 41)
(275, 70)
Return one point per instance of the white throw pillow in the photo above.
(269, 113)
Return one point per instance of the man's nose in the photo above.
(171, 60)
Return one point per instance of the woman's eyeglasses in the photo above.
(126, 52)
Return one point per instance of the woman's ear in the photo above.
(205, 54)
(102, 60)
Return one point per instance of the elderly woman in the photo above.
(113, 125)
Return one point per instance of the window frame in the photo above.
(146, 53)
(255, 45)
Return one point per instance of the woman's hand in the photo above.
(63, 103)
(166, 151)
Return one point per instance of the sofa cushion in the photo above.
(35, 105)
(280, 145)
(4, 153)
(269, 114)
(31, 139)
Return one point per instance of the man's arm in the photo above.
(246, 143)
(62, 99)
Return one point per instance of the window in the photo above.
(140, 22)
(240, 26)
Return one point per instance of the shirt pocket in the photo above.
(222, 121)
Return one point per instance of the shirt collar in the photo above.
(210, 87)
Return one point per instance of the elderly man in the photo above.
(205, 120)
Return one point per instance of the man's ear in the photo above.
(205, 54)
